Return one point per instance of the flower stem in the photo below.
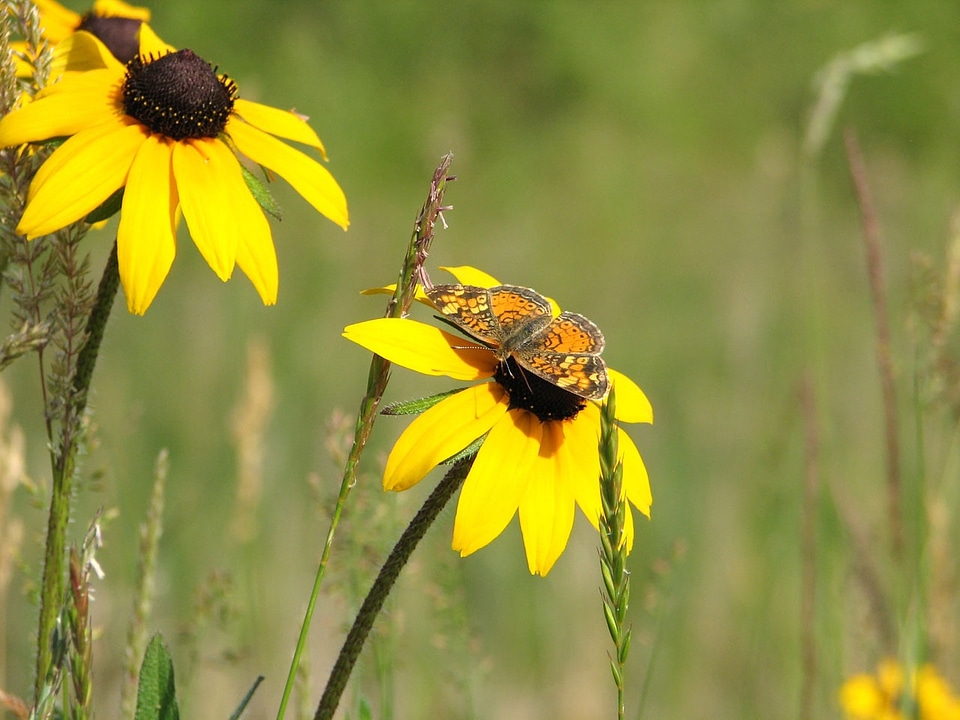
(377, 378)
(384, 583)
(106, 293)
(63, 466)
(613, 549)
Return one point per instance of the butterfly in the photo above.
(518, 322)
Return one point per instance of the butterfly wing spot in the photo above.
(571, 333)
(470, 309)
(583, 375)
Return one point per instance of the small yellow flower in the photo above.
(922, 694)
(539, 457)
(862, 697)
(167, 129)
(935, 698)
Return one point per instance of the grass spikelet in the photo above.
(613, 549)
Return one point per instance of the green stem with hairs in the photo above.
(613, 546)
(388, 575)
(410, 274)
(52, 588)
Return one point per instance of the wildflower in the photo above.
(166, 129)
(539, 453)
(893, 694)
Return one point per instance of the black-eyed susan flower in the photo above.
(539, 456)
(895, 694)
(167, 129)
(113, 21)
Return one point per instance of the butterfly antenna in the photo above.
(520, 370)
(454, 326)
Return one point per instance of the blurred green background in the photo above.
(639, 162)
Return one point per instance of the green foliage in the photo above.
(417, 406)
(108, 208)
(156, 694)
(261, 194)
(613, 550)
(366, 712)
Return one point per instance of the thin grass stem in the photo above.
(137, 634)
(808, 596)
(410, 274)
(388, 575)
(874, 252)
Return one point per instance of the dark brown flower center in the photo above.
(118, 34)
(178, 95)
(532, 393)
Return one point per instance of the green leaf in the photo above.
(415, 407)
(108, 208)
(617, 677)
(608, 583)
(624, 649)
(53, 143)
(605, 544)
(624, 598)
(612, 627)
(366, 712)
(246, 699)
(471, 449)
(261, 194)
(156, 694)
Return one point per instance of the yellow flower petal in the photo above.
(632, 404)
(464, 274)
(582, 442)
(582, 437)
(547, 507)
(497, 481)
(20, 51)
(860, 697)
(441, 432)
(423, 348)
(257, 257)
(151, 44)
(146, 237)
(256, 254)
(281, 123)
(891, 677)
(933, 695)
(118, 8)
(76, 103)
(636, 481)
(467, 275)
(82, 52)
(419, 294)
(308, 177)
(79, 176)
(628, 529)
(208, 178)
(58, 22)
